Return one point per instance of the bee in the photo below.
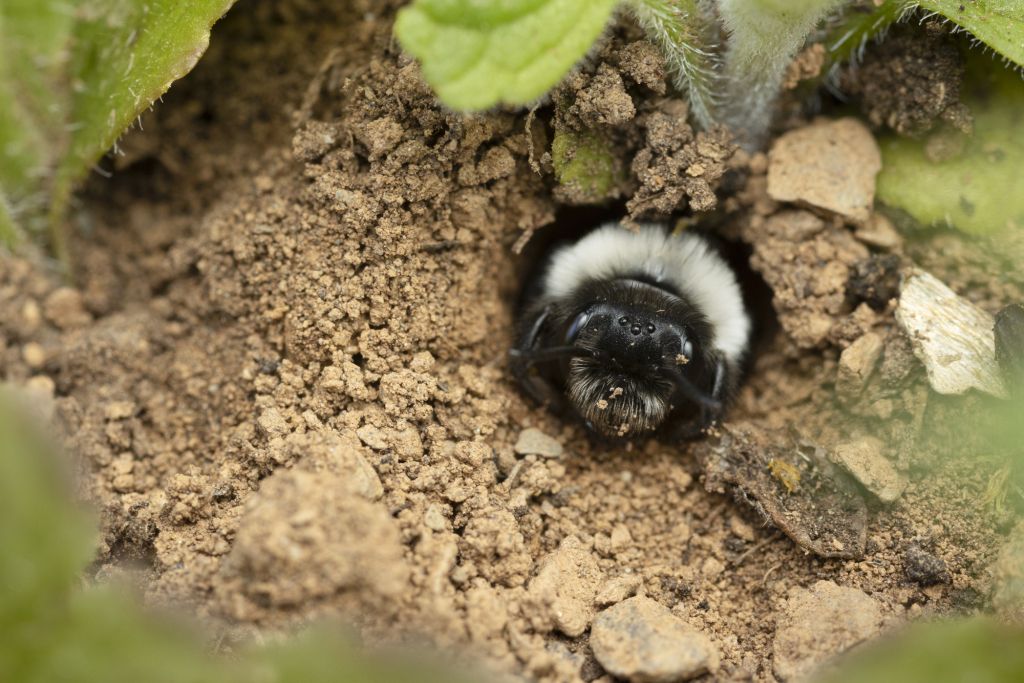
(635, 331)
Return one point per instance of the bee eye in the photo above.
(578, 324)
(688, 348)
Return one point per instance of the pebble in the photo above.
(620, 538)
(952, 337)
(617, 589)
(561, 595)
(923, 567)
(819, 623)
(642, 641)
(65, 309)
(864, 459)
(829, 165)
(271, 423)
(434, 518)
(34, 355)
(880, 233)
(856, 363)
(372, 437)
(532, 441)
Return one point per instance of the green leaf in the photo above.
(34, 39)
(976, 650)
(479, 54)
(997, 23)
(74, 74)
(46, 540)
(980, 190)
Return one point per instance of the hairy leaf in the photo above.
(476, 55)
(999, 24)
(981, 189)
(74, 74)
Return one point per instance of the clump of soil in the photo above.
(284, 374)
(911, 82)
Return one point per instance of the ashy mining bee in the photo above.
(641, 331)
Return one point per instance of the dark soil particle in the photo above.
(283, 370)
(924, 568)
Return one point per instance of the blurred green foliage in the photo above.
(478, 54)
(971, 650)
(74, 74)
(980, 189)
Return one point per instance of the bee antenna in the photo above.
(691, 392)
(550, 353)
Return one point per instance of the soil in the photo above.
(283, 371)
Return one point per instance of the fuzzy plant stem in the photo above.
(764, 36)
(680, 29)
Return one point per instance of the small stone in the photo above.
(372, 437)
(924, 568)
(65, 309)
(434, 518)
(223, 492)
(33, 355)
(856, 363)
(954, 338)
(820, 623)
(620, 538)
(864, 459)
(561, 595)
(118, 410)
(740, 529)
(829, 165)
(880, 233)
(271, 423)
(641, 641)
(422, 362)
(31, 317)
(617, 589)
(532, 441)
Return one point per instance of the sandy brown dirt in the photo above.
(283, 371)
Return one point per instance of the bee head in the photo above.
(640, 356)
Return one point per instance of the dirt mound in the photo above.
(284, 371)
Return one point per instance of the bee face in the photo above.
(636, 329)
(632, 342)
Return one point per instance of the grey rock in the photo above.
(642, 641)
